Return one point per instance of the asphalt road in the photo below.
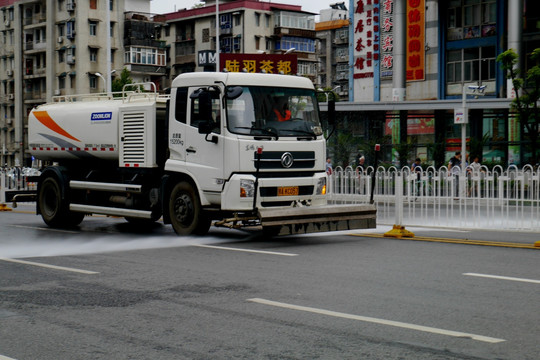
(108, 290)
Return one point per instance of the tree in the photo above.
(527, 95)
(124, 79)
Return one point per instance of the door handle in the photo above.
(191, 150)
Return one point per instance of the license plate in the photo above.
(288, 190)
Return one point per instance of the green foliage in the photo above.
(343, 148)
(527, 88)
(124, 79)
(405, 151)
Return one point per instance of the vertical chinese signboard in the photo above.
(256, 63)
(365, 47)
(387, 38)
(416, 31)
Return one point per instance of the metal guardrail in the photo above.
(482, 199)
(16, 181)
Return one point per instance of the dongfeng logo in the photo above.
(287, 160)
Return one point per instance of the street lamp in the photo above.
(104, 81)
(467, 90)
(290, 50)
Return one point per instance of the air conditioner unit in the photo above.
(11, 96)
(7, 22)
(70, 6)
(56, 92)
(60, 39)
(9, 121)
(9, 72)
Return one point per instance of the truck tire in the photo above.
(187, 214)
(55, 211)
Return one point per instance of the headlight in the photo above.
(247, 188)
(321, 186)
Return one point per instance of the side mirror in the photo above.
(234, 92)
(205, 127)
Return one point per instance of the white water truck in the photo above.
(212, 151)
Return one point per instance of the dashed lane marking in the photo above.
(246, 250)
(379, 321)
(48, 266)
(503, 277)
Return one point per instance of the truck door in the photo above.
(204, 152)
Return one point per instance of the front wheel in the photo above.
(54, 210)
(187, 215)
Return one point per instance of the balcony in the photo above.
(185, 59)
(35, 46)
(283, 31)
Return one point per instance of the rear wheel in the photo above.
(54, 210)
(187, 215)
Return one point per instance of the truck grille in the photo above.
(133, 129)
(273, 160)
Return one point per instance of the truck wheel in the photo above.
(187, 215)
(54, 211)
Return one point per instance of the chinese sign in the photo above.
(366, 37)
(387, 38)
(256, 63)
(416, 31)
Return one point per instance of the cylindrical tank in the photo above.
(74, 130)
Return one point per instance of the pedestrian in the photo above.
(454, 167)
(455, 163)
(416, 165)
(329, 166)
(475, 165)
(362, 161)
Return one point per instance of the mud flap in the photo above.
(302, 220)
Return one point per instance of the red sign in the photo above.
(416, 33)
(257, 63)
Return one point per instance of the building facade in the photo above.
(333, 49)
(412, 60)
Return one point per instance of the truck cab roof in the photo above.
(242, 79)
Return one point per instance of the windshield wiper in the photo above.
(310, 133)
(266, 131)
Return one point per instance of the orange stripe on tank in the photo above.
(44, 118)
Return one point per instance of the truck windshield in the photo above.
(264, 111)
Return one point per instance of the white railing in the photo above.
(15, 181)
(484, 199)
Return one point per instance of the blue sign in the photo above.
(101, 116)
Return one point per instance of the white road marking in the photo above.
(48, 266)
(378, 321)
(46, 229)
(503, 278)
(2, 357)
(246, 250)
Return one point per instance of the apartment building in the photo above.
(333, 49)
(54, 47)
(245, 27)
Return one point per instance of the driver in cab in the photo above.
(281, 109)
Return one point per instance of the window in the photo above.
(146, 56)
(62, 82)
(61, 31)
(93, 81)
(181, 105)
(93, 28)
(257, 19)
(111, 5)
(112, 29)
(295, 20)
(200, 111)
(299, 43)
(469, 19)
(93, 4)
(61, 56)
(471, 64)
(93, 55)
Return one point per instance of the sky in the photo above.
(167, 6)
